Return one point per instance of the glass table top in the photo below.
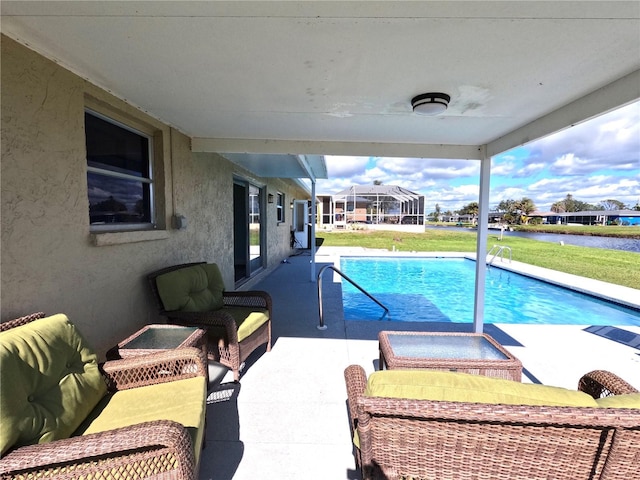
(160, 338)
(461, 347)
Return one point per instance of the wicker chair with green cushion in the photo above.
(237, 322)
(62, 415)
(421, 424)
(16, 322)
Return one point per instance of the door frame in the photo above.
(244, 265)
(300, 223)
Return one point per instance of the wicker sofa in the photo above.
(237, 322)
(63, 415)
(400, 432)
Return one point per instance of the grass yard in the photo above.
(613, 266)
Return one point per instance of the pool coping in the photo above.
(621, 295)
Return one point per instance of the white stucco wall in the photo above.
(49, 259)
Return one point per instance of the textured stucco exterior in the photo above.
(50, 261)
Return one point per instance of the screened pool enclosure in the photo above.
(373, 204)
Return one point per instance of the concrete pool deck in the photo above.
(287, 417)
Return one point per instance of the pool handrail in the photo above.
(321, 325)
(500, 251)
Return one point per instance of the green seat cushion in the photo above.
(49, 380)
(248, 319)
(197, 288)
(629, 400)
(462, 387)
(182, 401)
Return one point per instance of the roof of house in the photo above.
(388, 190)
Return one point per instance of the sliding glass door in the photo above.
(255, 230)
(249, 237)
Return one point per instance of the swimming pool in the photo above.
(442, 290)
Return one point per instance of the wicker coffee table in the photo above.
(152, 338)
(474, 353)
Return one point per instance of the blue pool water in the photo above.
(442, 290)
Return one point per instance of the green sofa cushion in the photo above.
(248, 319)
(50, 382)
(197, 288)
(462, 387)
(629, 400)
(182, 401)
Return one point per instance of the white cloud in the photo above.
(506, 193)
(402, 166)
(592, 189)
(547, 183)
(332, 185)
(430, 168)
(416, 174)
(530, 170)
(625, 190)
(451, 198)
(372, 174)
(610, 141)
(504, 168)
(345, 166)
(569, 164)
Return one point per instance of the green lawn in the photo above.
(621, 268)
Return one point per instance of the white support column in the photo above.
(481, 244)
(313, 230)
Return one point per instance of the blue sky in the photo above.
(594, 161)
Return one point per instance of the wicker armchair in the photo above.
(423, 439)
(16, 322)
(149, 449)
(222, 324)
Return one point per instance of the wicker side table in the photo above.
(473, 353)
(157, 337)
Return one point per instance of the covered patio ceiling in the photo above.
(271, 165)
(330, 77)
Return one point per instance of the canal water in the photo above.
(612, 243)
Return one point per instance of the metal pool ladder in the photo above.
(499, 251)
(321, 325)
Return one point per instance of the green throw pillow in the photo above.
(197, 288)
(50, 382)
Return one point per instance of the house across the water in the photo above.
(591, 217)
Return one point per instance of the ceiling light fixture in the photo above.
(430, 103)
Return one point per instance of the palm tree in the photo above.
(525, 206)
(611, 204)
(472, 210)
(437, 212)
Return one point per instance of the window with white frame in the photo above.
(119, 175)
(280, 208)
